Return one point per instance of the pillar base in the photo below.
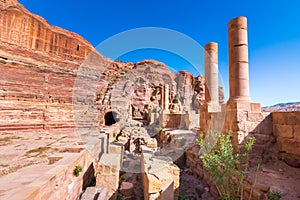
(243, 106)
(212, 118)
(241, 119)
(210, 108)
(239, 99)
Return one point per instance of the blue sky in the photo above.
(274, 33)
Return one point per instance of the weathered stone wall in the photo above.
(108, 172)
(176, 121)
(286, 126)
(242, 118)
(194, 163)
(53, 181)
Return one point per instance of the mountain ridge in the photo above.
(283, 107)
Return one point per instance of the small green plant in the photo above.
(223, 164)
(176, 100)
(160, 128)
(274, 195)
(114, 134)
(115, 140)
(155, 91)
(77, 170)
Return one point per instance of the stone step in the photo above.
(95, 193)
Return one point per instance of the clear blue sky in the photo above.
(274, 33)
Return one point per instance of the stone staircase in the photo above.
(95, 193)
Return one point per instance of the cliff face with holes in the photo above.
(21, 28)
(38, 66)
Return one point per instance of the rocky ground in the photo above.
(191, 188)
(21, 149)
(277, 176)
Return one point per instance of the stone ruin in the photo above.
(124, 125)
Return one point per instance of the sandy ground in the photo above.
(21, 149)
(279, 177)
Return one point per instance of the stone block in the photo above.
(237, 37)
(103, 194)
(54, 158)
(284, 118)
(238, 106)
(296, 129)
(154, 185)
(115, 148)
(89, 193)
(284, 131)
(265, 128)
(255, 117)
(255, 108)
(297, 117)
(290, 146)
(239, 54)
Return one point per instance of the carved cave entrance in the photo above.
(110, 118)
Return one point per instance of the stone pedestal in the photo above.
(241, 119)
(212, 118)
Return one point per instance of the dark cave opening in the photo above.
(110, 118)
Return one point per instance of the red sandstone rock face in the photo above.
(185, 77)
(29, 31)
(39, 64)
(38, 67)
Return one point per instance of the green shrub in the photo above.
(274, 195)
(176, 100)
(77, 170)
(223, 164)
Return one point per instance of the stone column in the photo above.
(211, 74)
(238, 60)
(166, 98)
(162, 98)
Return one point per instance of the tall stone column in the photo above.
(166, 98)
(238, 60)
(211, 74)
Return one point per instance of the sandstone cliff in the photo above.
(38, 67)
(53, 79)
(25, 30)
